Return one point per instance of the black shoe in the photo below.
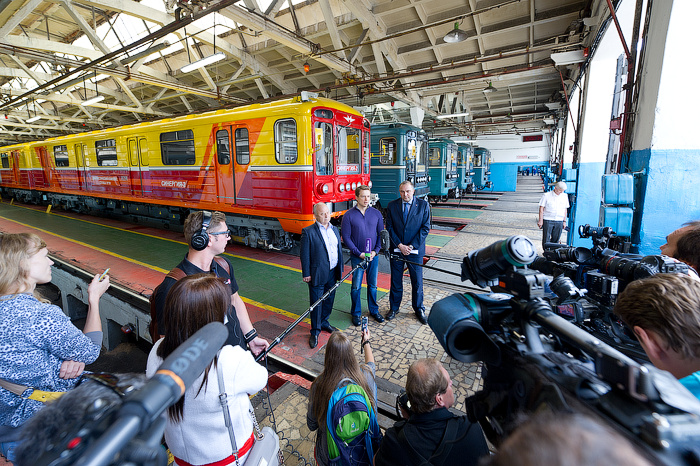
(420, 314)
(356, 321)
(391, 315)
(313, 341)
(378, 317)
(328, 328)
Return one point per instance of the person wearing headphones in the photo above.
(207, 235)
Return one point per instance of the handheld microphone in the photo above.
(368, 249)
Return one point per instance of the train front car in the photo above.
(339, 154)
(442, 160)
(465, 153)
(399, 153)
(482, 168)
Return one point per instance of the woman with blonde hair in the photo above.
(41, 351)
(195, 431)
(340, 363)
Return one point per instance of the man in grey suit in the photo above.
(321, 267)
(408, 223)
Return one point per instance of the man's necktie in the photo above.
(406, 206)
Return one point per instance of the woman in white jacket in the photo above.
(196, 433)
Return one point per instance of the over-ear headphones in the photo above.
(200, 239)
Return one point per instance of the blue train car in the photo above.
(465, 155)
(399, 152)
(442, 168)
(482, 168)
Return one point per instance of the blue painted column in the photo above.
(665, 152)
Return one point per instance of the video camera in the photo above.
(536, 358)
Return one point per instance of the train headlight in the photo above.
(369, 183)
(341, 187)
(354, 185)
(323, 188)
(347, 186)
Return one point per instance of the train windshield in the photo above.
(349, 144)
(324, 148)
(421, 154)
(450, 154)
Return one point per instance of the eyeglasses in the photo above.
(225, 232)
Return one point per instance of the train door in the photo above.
(411, 156)
(236, 138)
(15, 165)
(82, 167)
(138, 159)
(45, 165)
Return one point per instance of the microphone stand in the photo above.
(281, 336)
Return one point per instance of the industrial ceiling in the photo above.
(388, 58)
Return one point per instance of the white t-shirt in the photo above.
(554, 205)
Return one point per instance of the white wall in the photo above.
(510, 148)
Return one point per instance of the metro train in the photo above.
(399, 152)
(442, 161)
(264, 165)
(482, 168)
(465, 155)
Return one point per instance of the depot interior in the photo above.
(573, 86)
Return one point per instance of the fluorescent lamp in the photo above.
(94, 100)
(568, 58)
(452, 115)
(33, 119)
(203, 62)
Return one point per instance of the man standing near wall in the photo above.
(552, 216)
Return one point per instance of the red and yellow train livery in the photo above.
(264, 165)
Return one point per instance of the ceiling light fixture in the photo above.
(307, 67)
(489, 89)
(94, 100)
(452, 115)
(455, 35)
(33, 119)
(203, 62)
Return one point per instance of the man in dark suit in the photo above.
(408, 223)
(321, 267)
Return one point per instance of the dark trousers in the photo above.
(551, 231)
(416, 274)
(321, 313)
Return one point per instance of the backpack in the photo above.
(175, 274)
(351, 426)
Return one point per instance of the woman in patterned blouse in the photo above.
(39, 346)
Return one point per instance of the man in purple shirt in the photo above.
(360, 230)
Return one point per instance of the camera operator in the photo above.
(432, 434)
(564, 439)
(664, 313)
(688, 247)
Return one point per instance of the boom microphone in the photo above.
(141, 408)
(385, 242)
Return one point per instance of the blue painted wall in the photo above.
(587, 206)
(504, 176)
(666, 194)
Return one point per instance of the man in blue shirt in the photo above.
(360, 230)
(664, 313)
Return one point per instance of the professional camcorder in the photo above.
(536, 356)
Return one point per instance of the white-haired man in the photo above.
(552, 217)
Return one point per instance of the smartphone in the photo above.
(365, 320)
(104, 274)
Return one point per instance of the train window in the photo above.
(223, 151)
(242, 146)
(387, 151)
(286, 141)
(177, 147)
(106, 152)
(324, 113)
(60, 155)
(434, 156)
(5, 160)
(323, 133)
(348, 151)
(365, 152)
